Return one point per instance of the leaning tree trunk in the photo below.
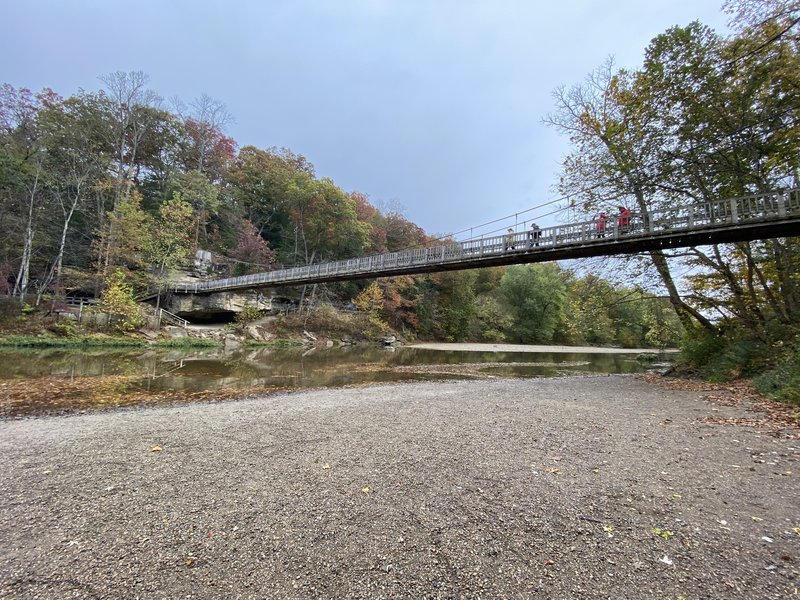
(685, 312)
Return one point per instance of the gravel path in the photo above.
(582, 487)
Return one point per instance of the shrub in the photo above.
(248, 314)
(699, 347)
(783, 381)
(718, 358)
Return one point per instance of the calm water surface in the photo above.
(58, 380)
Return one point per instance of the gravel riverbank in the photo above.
(580, 487)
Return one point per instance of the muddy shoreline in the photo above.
(483, 347)
(575, 487)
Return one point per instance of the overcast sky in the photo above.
(435, 106)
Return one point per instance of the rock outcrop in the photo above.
(210, 306)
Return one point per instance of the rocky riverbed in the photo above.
(578, 487)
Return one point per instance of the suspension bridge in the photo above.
(758, 216)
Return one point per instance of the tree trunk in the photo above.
(685, 312)
(57, 265)
(21, 284)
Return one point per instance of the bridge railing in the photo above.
(722, 213)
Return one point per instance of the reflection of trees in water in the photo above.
(89, 362)
(156, 370)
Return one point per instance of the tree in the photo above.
(615, 156)
(23, 173)
(258, 183)
(370, 216)
(402, 233)
(202, 195)
(75, 162)
(535, 296)
(324, 221)
(133, 229)
(127, 102)
(663, 330)
(251, 250)
(588, 311)
(208, 150)
(737, 134)
(400, 302)
(456, 299)
(170, 244)
(370, 301)
(118, 298)
(492, 319)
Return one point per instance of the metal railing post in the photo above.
(781, 205)
(734, 211)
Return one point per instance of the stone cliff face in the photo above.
(216, 305)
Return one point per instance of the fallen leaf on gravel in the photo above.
(662, 533)
(757, 518)
(677, 496)
(780, 420)
(608, 528)
(796, 530)
(549, 563)
(365, 489)
(554, 470)
(326, 466)
(666, 560)
(155, 449)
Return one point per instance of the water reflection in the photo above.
(81, 379)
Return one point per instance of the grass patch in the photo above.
(49, 341)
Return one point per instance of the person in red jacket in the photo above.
(600, 221)
(624, 221)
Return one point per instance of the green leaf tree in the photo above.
(118, 298)
(535, 295)
(170, 244)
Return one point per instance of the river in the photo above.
(59, 381)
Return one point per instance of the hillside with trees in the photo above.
(109, 191)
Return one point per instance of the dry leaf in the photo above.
(662, 533)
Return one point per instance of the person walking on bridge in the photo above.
(509, 244)
(600, 221)
(624, 221)
(533, 235)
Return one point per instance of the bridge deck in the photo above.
(759, 216)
